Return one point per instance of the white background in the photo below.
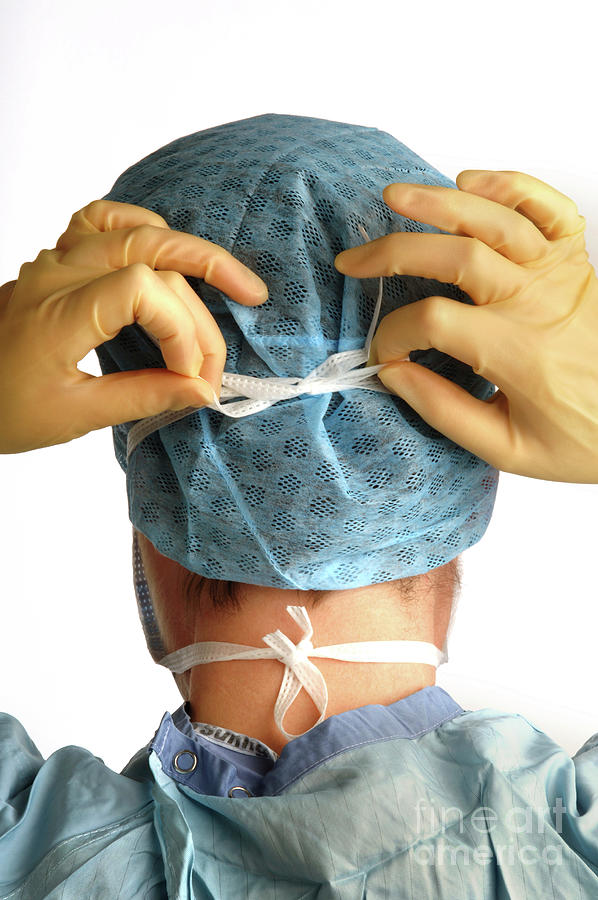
(89, 89)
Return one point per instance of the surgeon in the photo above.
(301, 325)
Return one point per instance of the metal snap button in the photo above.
(189, 763)
(238, 787)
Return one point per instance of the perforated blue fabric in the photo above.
(332, 491)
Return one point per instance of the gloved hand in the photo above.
(101, 276)
(517, 248)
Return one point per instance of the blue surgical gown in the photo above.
(417, 799)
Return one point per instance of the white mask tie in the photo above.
(299, 670)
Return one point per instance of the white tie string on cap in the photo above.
(340, 372)
(299, 671)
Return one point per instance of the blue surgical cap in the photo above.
(328, 491)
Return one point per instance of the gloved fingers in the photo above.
(73, 405)
(46, 399)
(209, 337)
(499, 227)
(447, 325)
(106, 215)
(97, 311)
(101, 401)
(480, 426)
(478, 270)
(552, 212)
(158, 247)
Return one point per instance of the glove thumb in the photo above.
(477, 425)
(128, 396)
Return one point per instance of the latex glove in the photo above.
(518, 250)
(116, 264)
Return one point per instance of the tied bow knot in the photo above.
(289, 653)
(299, 670)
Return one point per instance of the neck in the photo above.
(241, 694)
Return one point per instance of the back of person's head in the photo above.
(228, 597)
(325, 491)
(188, 607)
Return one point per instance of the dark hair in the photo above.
(225, 596)
(228, 596)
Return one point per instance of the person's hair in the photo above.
(228, 596)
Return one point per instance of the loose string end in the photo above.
(374, 322)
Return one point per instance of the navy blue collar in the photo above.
(194, 761)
